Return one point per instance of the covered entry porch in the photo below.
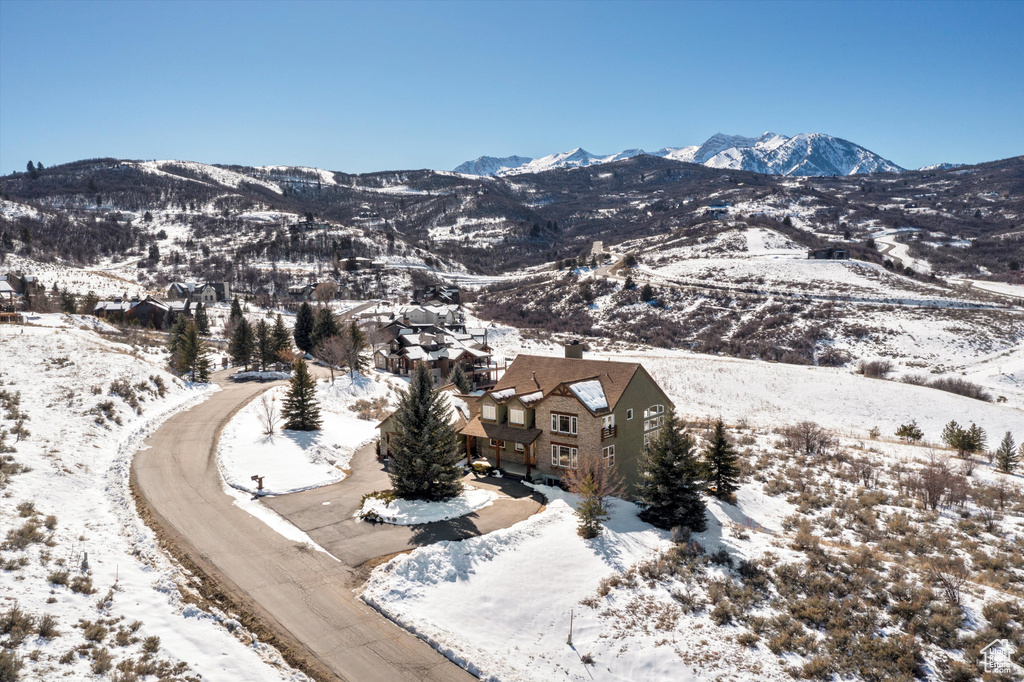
(513, 450)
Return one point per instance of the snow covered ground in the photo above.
(82, 438)
(291, 461)
(501, 604)
(410, 512)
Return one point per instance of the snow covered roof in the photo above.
(590, 394)
(415, 353)
(5, 288)
(503, 395)
(531, 397)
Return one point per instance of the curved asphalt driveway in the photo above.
(304, 596)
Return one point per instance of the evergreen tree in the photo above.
(629, 284)
(590, 511)
(977, 440)
(647, 293)
(669, 489)
(424, 447)
(303, 331)
(243, 343)
(301, 412)
(911, 431)
(951, 433)
(174, 341)
(461, 381)
(236, 312)
(32, 172)
(720, 463)
(355, 344)
(67, 302)
(324, 326)
(89, 303)
(281, 339)
(192, 353)
(1007, 457)
(263, 349)
(202, 320)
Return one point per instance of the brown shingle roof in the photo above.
(482, 429)
(530, 373)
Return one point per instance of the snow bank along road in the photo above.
(304, 596)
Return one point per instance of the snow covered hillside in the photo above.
(84, 584)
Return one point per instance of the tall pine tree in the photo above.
(461, 381)
(202, 320)
(174, 338)
(424, 448)
(192, 354)
(355, 344)
(236, 312)
(243, 343)
(263, 349)
(301, 412)
(669, 489)
(282, 340)
(324, 326)
(720, 464)
(1007, 457)
(303, 331)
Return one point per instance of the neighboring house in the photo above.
(23, 284)
(435, 314)
(830, 253)
(6, 293)
(459, 414)
(440, 350)
(439, 293)
(546, 413)
(302, 292)
(148, 312)
(207, 294)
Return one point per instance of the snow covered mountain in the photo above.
(492, 165)
(771, 153)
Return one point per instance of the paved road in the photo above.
(304, 596)
(325, 514)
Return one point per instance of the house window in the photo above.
(516, 415)
(489, 412)
(519, 447)
(563, 456)
(650, 437)
(608, 421)
(563, 423)
(629, 414)
(652, 424)
(608, 456)
(654, 410)
(500, 444)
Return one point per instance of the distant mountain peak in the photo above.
(769, 153)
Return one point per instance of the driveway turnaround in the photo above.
(304, 596)
(326, 514)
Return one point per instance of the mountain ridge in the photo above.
(805, 154)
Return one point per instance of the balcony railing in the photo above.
(609, 432)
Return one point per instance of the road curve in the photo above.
(305, 597)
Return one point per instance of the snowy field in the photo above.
(500, 604)
(291, 461)
(76, 280)
(79, 449)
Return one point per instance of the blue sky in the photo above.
(371, 86)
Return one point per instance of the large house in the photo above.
(440, 349)
(207, 294)
(546, 414)
(148, 312)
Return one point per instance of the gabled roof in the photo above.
(5, 288)
(529, 374)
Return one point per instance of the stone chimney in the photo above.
(574, 350)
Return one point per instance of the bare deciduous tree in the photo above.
(268, 415)
(808, 438)
(949, 574)
(333, 351)
(326, 292)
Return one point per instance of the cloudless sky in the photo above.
(392, 85)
